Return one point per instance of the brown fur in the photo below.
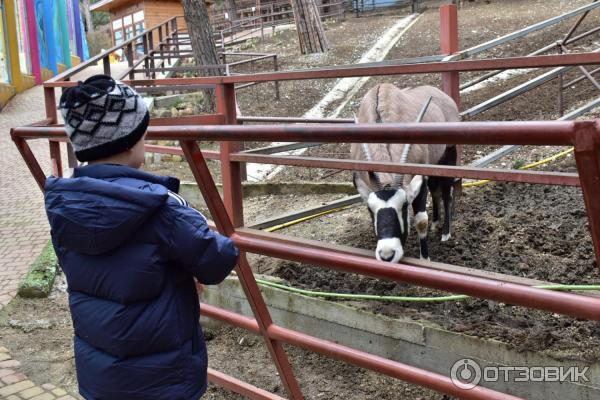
(387, 103)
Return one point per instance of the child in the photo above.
(130, 248)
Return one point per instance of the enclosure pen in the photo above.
(228, 216)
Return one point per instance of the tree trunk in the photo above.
(87, 15)
(232, 10)
(311, 34)
(203, 43)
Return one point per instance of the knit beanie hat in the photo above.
(103, 117)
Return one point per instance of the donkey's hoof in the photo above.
(447, 237)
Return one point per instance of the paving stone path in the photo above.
(24, 231)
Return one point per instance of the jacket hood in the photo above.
(103, 205)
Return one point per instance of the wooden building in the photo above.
(129, 18)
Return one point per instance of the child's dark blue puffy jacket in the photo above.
(129, 247)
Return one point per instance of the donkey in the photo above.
(388, 195)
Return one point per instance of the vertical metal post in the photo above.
(175, 33)
(130, 60)
(106, 65)
(561, 102)
(449, 45)
(151, 53)
(55, 158)
(247, 281)
(71, 158)
(146, 59)
(276, 68)
(231, 172)
(168, 46)
(587, 156)
(160, 41)
(50, 104)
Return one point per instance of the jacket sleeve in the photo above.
(208, 255)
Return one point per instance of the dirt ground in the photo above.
(39, 334)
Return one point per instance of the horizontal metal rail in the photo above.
(535, 133)
(359, 358)
(240, 387)
(378, 70)
(559, 302)
(248, 118)
(522, 32)
(533, 177)
(535, 53)
(173, 150)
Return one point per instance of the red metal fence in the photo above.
(228, 212)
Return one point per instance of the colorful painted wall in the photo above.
(38, 39)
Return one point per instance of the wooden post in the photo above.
(311, 34)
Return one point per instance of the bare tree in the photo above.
(85, 4)
(203, 43)
(232, 10)
(311, 34)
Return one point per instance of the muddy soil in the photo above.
(39, 334)
(531, 231)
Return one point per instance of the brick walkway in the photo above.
(15, 386)
(23, 231)
(23, 226)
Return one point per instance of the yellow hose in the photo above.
(297, 221)
(528, 166)
(464, 185)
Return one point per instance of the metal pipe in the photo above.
(248, 118)
(240, 387)
(510, 293)
(379, 69)
(574, 81)
(538, 133)
(576, 25)
(359, 358)
(532, 177)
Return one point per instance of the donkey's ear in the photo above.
(414, 187)
(361, 186)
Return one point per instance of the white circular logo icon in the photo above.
(465, 374)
